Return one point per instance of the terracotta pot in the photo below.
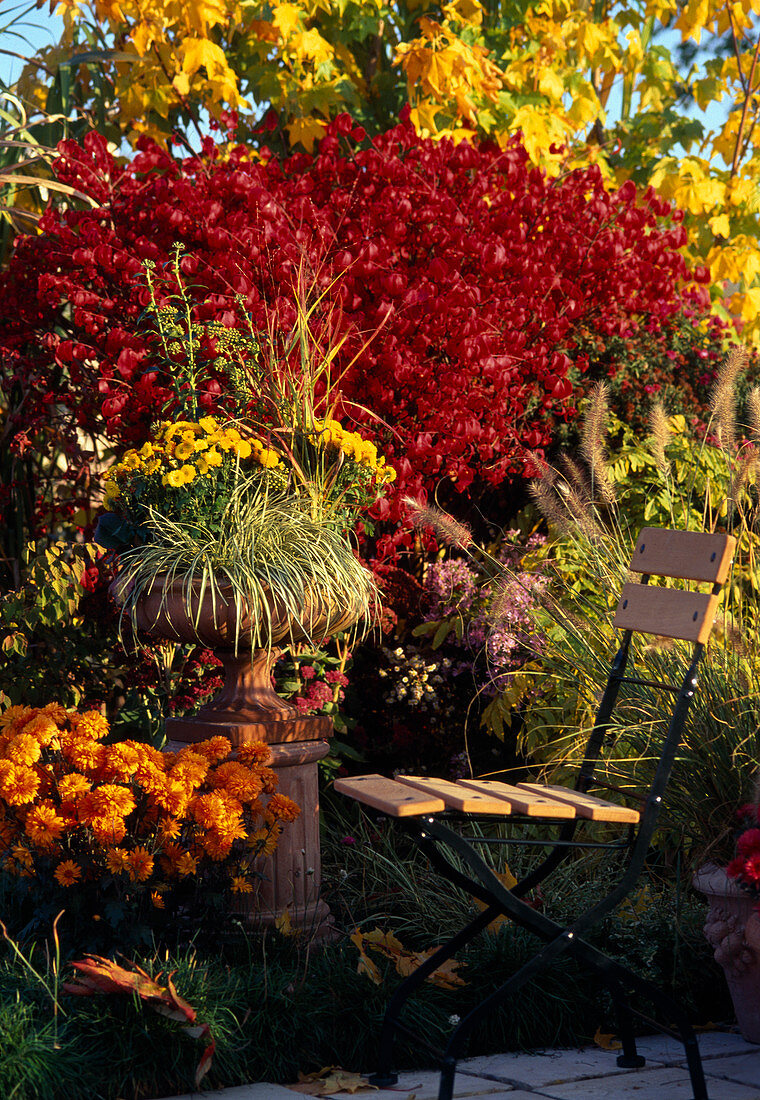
(247, 708)
(733, 929)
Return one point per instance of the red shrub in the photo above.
(470, 271)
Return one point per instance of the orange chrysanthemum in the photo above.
(67, 873)
(281, 808)
(86, 756)
(108, 830)
(121, 761)
(44, 826)
(157, 900)
(14, 715)
(172, 798)
(116, 860)
(169, 828)
(18, 784)
(90, 724)
(23, 856)
(241, 885)
(23, 749)
(186, 865)
(72, 786)
(42, 728)
(215, 749)
(218, 847)
(239, 781)
(56, 712)
(139, 864)
(108, 800)
(256, 752)
(270, 780)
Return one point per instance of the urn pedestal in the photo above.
(248, 709)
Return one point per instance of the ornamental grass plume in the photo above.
(449, 530)
(125, 821)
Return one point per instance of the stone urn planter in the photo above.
(248, 709)
(733, 929)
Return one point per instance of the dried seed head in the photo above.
(593, 439)
(745, 466)
(723, 396)
(546, 500)
(448, 529)
(753, 413)
(660, 436)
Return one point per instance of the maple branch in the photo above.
(748, 92)
(737, 52)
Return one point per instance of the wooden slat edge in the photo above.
(588, 805)
(521, 801)
(457, 796)
(388, 796)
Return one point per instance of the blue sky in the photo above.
(36, 27)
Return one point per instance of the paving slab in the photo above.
(670, 1082)
(712, 1044)
(424, 1086)
(744, 1068)
(261, 1091)
(548, 1066)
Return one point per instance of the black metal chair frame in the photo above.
(454, 856)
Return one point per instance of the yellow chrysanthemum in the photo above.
(173, 479)
(243, 449)
(184, 450)
(212, 457)
(264, 841)
(203, 466)
(188, 474)
(209, 424)
(67, 873)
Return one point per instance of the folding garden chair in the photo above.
(429, 808)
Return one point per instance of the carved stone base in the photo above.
(311, 727)
(733, 930)
(292, 875)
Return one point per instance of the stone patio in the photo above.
(732, 1068)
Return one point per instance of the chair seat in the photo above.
(413, 795)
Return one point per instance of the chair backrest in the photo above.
(677, 613)
(673, 612)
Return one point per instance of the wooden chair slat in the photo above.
(457, 797)
(388, 796)
(587, 805)
(521, 801)
(671, 612)
(692, 555)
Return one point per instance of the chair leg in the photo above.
(385, 1076)
(630, 1058)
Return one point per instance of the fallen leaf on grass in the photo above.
(406, 962)
(96, 975)
(330, 1079)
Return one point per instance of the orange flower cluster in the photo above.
(79, 810)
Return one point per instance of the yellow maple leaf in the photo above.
(202, 53)
(312, 46)
(287, 18)
(305, 131)
(606, 1041)
(720, 225)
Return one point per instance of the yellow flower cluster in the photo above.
(183, 451)
(331, 433)
(80, 809)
